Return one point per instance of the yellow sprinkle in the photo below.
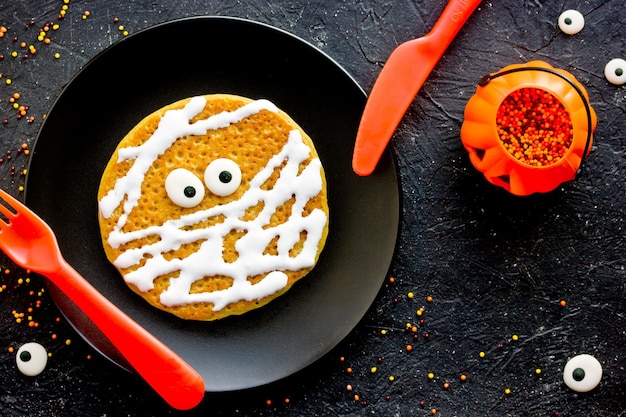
(20, 281)
(68, 342)
(125, 33)
(120, 28)
(481, 354)
(374, 369)
(55, 26)
(431, 375)
(391, 378)
(14, 54)
(383, 331)
(537, 371)
(507, 391)
(419, 312)
(515, 337)
(20, 188)
(57, 55)
(410, 295)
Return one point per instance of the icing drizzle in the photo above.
(295, 182)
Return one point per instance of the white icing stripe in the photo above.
(208, 260)
(173, 125)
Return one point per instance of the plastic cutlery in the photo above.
(31, 244)
(401, 78)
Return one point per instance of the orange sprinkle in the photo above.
(563, 303)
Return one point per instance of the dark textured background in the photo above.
(496, 265)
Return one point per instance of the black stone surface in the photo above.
(496, 265)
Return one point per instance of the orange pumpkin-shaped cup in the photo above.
(528, 127)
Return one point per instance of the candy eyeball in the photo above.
(184, 188)
(31, 359)
(615, 71)
(571, 22)
(582, 373)
(222, 177)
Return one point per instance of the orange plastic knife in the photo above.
(399, 81)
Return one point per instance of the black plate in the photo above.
(197, 56)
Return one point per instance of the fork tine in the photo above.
(7, 206)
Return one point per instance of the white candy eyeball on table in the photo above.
(582, 373)
(615, 71)
(31, 359)
(571, 22)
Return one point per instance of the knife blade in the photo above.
(399, 81)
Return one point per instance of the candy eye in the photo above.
(222, 177)
(31, 359)
(571, 22)
(615, 71)
(184, 188)
(582, 373)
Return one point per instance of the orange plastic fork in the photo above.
(31, 244)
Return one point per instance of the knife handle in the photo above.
(451, 20)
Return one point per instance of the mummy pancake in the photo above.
(213, 206)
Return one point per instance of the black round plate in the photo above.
(203, 55)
